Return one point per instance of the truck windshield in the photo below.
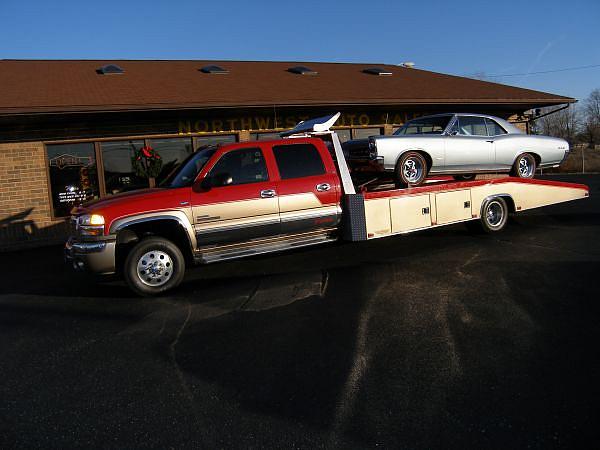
(426, 125)
(186, 172)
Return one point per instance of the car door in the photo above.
(468, 146)
(308, 187)
(236, 198)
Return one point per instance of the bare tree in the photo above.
(564, 123)
(591, 120)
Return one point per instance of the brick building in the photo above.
(69, 129)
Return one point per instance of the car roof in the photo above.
(509, 127)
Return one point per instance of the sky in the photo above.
(504, 41)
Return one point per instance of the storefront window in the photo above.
(73, 176)
(264, 136)
(172, 152)
(363, 133)
(213, 140)
(344, 134)
(118, 169)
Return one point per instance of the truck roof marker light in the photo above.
(377, 71)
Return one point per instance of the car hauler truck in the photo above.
(243, 199)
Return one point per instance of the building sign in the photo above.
(66, 160)
(275, 122)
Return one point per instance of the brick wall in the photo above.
(25, 217)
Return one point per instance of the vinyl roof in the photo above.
(58, 86)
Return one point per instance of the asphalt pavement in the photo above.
(439, 339)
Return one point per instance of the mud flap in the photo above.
(354, 224)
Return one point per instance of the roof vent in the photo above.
(110, 69)
(302, 70)
(377, 71)
(214, 69)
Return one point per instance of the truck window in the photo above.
(245, 165)
(298, 160)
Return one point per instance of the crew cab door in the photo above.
(470, 148)
(235, 199)
(308, 186)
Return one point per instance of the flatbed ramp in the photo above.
(397, 211)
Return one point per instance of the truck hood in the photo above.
(118, 199)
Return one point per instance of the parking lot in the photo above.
(440, 339)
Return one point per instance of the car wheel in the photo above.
(494, 215)
(411, 170)
(465, 177)
(155, 265)
(524, 166)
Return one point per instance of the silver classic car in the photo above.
(462, 145)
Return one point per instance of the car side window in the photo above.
(245, 165)
(472, 126)
(298, 160)
(493, 128)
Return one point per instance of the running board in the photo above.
(223, 253)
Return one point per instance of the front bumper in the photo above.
(97, 256)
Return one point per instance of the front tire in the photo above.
(411, 170)
(524, 166)
(154, 265)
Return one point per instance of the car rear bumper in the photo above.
(91, 256)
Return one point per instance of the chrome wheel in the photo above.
(526, 166)
(155, 268)
(412, 170)
(494, 214)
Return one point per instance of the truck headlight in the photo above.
(91, 224)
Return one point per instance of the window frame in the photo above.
(487, 119)
(209, 170)
(281, 177)
(473, 135)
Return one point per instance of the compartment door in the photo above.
(454, 206)
(410, 213)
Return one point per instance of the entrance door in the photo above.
(471, 149)
(237, 201)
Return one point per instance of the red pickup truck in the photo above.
(243, 199)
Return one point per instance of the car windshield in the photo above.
(426, 125)
(186, 172)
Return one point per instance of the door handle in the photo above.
(322, 187)
(268, 193)
(491, 142)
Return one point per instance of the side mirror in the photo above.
(217, 180)
(452, 133)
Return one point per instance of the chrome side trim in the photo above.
(258, 247)
(226, 227)
(310, 213)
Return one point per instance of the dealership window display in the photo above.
(119, 174)
(73, 176)
(172, 151)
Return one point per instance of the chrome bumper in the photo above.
(91, 256)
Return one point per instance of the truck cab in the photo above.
(222, 202)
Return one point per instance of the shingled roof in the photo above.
(57, 86)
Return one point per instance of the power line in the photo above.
(566, 69)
